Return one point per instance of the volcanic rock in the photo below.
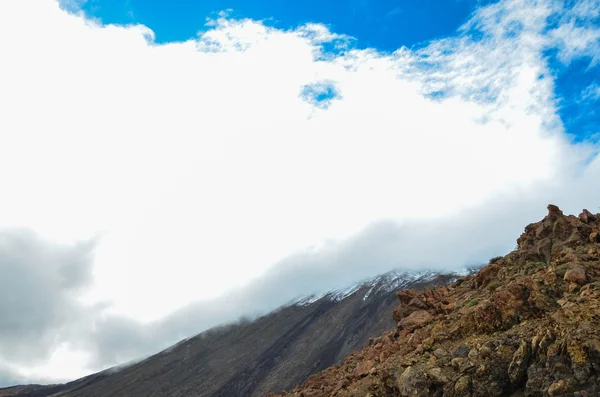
(528, 324)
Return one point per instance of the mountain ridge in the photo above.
(274, 352)
(527, 324)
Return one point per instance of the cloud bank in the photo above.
(204, 163)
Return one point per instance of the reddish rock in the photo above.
(448, 307)
(556, 230)
(530, 335)
(340, 385)
(405, 296)
(587, 217)
(417, 303)
(553, 210)
(486, 275)
(416, 320)
(363, 368)
(576, 274)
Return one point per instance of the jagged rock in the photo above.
(517, 368)
(587, 217)
(526, 325)
(554, 231)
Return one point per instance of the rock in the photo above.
(440, 353)
(340, 385)
(461, 352)
(428, 343)
(553, 210)
(558, 388)
(486, 275)
(485, 351)
(486, 317)
(576, 274)
(517, 368)
(405, 296)
(462, 386)
(587, 217)
(363, 368)
(417, 303)
(416, 320)
(411, 384)
(535, 333)
(437, 376)
(473, 354)
(555, 230)
(580, 364)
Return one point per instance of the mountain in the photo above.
(275, 352)
(528, 324)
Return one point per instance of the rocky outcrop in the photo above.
(528, 324)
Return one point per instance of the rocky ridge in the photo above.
(528, 324)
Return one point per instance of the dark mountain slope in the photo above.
(272, 353)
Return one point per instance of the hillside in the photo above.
(272, 353)
(528, 324)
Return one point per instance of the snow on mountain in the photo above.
(388, 282)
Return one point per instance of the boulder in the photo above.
(416, 320)
(576, 274)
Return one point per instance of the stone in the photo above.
(437, 376)
(557, 388)
(440, 353)
(411, 384)
(576, 274)
(363, 368)
(462, 386)
(461, 352)
(517, 369)
(416, 320)
(587, 217)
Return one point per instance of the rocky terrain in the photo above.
(275, 352)
(528, 324)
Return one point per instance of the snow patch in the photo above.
(385, 283)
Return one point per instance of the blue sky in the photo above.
(385, 25)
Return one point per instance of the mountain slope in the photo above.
(528, 324)
(272, 353)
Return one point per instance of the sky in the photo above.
(169, 167)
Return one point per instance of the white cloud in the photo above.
(578, 32)
(592, 92)
(201, 164)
